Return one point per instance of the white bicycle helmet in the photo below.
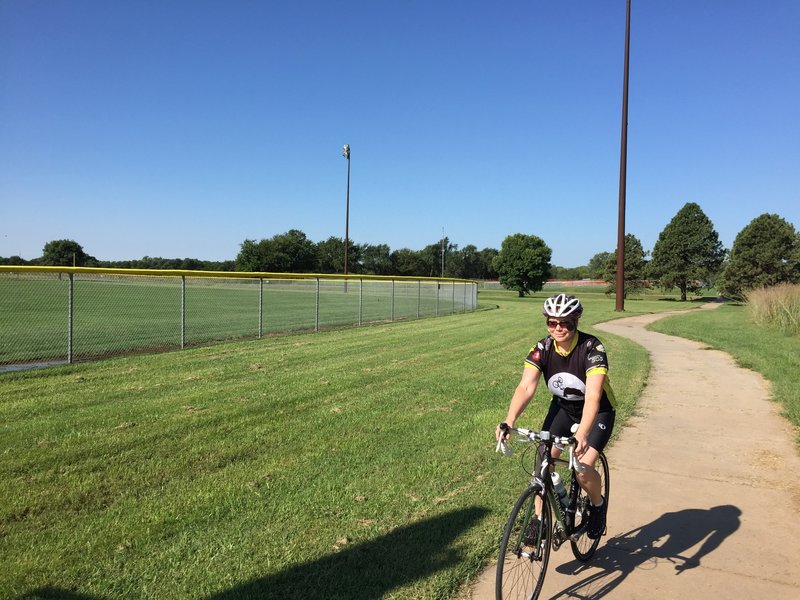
(562, 305)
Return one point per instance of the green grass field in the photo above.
(115, 315)
(356, 463)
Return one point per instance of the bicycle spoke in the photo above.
(525, 549)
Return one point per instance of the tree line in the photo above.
(687, 255)
(294, 252)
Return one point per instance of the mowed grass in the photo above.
(352, 464)
(121, 315)
(770, 350)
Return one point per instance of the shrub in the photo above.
(777, 306)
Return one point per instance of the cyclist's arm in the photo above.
(591, 406)
(522, 395)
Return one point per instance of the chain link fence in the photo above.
(51, 315)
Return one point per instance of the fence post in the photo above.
(465, 297)
(360, 301)
(438, 286)
(453, 303)
(392, 299)
(70, 297)
(419, 295)
(183, 311)
(316, 309)
(260, 306)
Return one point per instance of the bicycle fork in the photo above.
(534, 539)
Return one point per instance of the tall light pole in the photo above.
(623, 159)
(442, 248)
(346, 154)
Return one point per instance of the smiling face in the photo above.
(562, 330)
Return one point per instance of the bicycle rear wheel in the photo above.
(584, 547)
(525, 548)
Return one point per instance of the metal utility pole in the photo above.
(623, 159)
(346, 154)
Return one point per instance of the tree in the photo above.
(569, 272)
(634, 265)
(249, 257)
(469, 262)
(15, 260)
(290, 252)
(375, 260)
(66, 253)
(523, 263)
(764, 253)
(330, 255)
(688, 253)
(487, 270)
(407, 262)
(597, 265)
(431, 257)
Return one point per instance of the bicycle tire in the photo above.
(584, 547)
(523, 559)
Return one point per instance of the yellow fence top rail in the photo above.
(221, 274)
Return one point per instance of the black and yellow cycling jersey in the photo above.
(565, 370)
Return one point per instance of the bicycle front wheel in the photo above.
(583, 547)
(525, 548)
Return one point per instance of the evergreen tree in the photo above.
(764, 253)
(634, 266)
(688, 253)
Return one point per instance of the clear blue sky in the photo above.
(180, 128)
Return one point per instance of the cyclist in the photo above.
(575, 369)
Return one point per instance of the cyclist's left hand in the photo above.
(581, 444)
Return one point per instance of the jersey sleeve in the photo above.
(596, 358)
(535, 358)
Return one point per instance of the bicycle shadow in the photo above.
(665, 539)
(369, 570)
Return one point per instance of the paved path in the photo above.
(701, 505)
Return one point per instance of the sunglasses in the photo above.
(568, 325)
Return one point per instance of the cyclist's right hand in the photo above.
(501, 433)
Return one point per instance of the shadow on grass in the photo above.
(690, 300)
(665, 540)
(369, 570)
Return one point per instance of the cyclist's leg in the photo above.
(589, 480)
(558, 422)
(599, 435)
(589, 522)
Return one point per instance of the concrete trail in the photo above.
(705, 498)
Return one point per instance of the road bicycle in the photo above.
(541, 519)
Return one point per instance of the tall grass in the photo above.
(351, 464)
(777, 306)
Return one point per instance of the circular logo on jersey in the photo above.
(567, 386)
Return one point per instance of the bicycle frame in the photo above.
(564, 515)
(539, 522)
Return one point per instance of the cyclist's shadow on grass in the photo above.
(369, 570)
(668, 538)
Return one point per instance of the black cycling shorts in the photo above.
(559, 422)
